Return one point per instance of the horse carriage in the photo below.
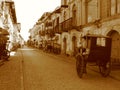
(97, 51)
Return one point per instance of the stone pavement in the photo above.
(115, 70)
(10, 73)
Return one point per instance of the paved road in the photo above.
(43, 71)
(31, 69)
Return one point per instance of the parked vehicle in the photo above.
(97, 50)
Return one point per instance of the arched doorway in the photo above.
(115, 50)
(74, 44)
(64, 45)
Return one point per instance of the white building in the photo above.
(75, 18)
(8, 21)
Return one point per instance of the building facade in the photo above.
(76, 18)
(8, 21)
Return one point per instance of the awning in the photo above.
(3, 31)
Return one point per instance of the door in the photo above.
(115, 50)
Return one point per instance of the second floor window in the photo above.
(115, 7)
(92, 10)
(118, 6)
(74, 13)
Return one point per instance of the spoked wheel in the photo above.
(80, 66)
(105, 69)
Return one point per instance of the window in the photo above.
(101, 41)
(118, 6)
(115, 7)
(74, 13)
(92, 10)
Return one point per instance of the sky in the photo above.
(29, 11)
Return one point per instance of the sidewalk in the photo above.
(10, 73)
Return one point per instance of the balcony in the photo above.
(57, 29)
(68, 25)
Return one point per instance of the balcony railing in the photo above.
(65, 26)
(68, 25)
(57, 29)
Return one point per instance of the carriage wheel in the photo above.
(80, 66)
(105, 69)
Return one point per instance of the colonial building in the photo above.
(39, 31)
(110, 25)
(76, 18)
(91, 17)
(8, 21)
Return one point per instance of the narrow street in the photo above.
(44, 71)
(87, 28)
